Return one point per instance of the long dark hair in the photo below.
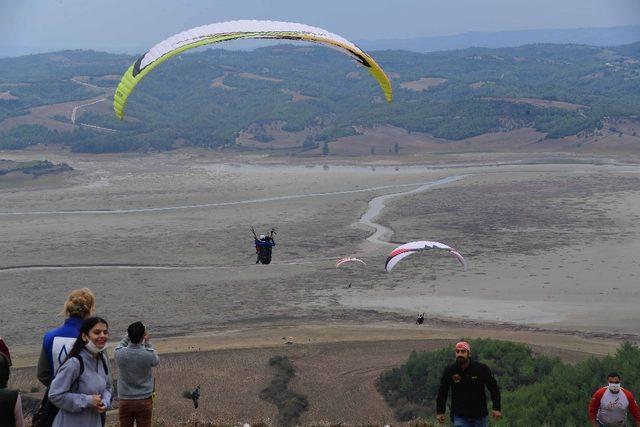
(87, 325)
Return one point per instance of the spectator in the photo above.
(467, 379)
(57, 343)
(4, 350)
(135, 357)
(609, 405)
(82, 385)
(10, 401)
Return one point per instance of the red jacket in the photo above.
(4, 350)
(594, 405)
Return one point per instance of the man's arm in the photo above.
(633, 405)
(153, 356)
(494, 390)
(443, 392)
(124, 342)
(594, 404)
(44, 368)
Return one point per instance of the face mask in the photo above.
(94, 349)
(614, 388)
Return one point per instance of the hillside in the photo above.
(312, 96)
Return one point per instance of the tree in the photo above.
(325, 148)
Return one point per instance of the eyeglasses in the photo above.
(460, 351)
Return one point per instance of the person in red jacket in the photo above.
(609, 405)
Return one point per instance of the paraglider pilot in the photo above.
(264, 246)
(195, 395)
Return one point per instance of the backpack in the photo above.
(47, 411)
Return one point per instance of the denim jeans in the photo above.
(469, 422)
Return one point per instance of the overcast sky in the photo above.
(133, 25)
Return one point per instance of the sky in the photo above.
(131, 26)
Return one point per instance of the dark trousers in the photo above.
(139, 411)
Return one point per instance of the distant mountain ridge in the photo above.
(605, 36)
(611, 36)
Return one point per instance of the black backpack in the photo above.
(47, 411)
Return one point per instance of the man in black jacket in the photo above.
(467, 379)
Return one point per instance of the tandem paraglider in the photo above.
(264, 244)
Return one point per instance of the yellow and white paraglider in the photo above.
(232, 30)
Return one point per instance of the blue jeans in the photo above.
(469, 422)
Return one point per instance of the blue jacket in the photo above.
(56, 344)
(263, 243)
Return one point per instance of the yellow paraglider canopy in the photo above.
(232, 30)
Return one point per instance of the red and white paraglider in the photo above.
(342, 261)
(410, 248)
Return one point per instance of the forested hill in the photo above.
(208, 97)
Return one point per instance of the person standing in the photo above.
(82, 386)
(609, 405)
(10, 401)
(135, 357)
(4, 351)
(57, 342)
(467, 380)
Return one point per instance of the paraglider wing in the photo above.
(396, 256)
(232, 30)
(460, 258)
(407, 249)
(346, 260)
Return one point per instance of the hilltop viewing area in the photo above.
(404, 213)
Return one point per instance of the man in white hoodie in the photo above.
(609, 405)
(135, 357)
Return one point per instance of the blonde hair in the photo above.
(80, 303)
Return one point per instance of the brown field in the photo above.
(7, 96)
(252, 76)
(423, 83)
(43, 115)
(218, 82)
(545, 103)
(478, 85)
(297, 96)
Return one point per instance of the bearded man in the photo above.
(467, 379)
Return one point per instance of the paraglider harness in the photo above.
(264, 246)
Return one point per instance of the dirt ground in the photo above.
(336, 367)
(551, 240)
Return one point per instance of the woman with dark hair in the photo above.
(82, 385)
(57, 343)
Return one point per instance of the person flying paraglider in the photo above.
(264, 246)
(195, 396)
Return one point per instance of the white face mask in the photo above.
(94, 349)
(614, 388)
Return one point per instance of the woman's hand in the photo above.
(96, 403)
